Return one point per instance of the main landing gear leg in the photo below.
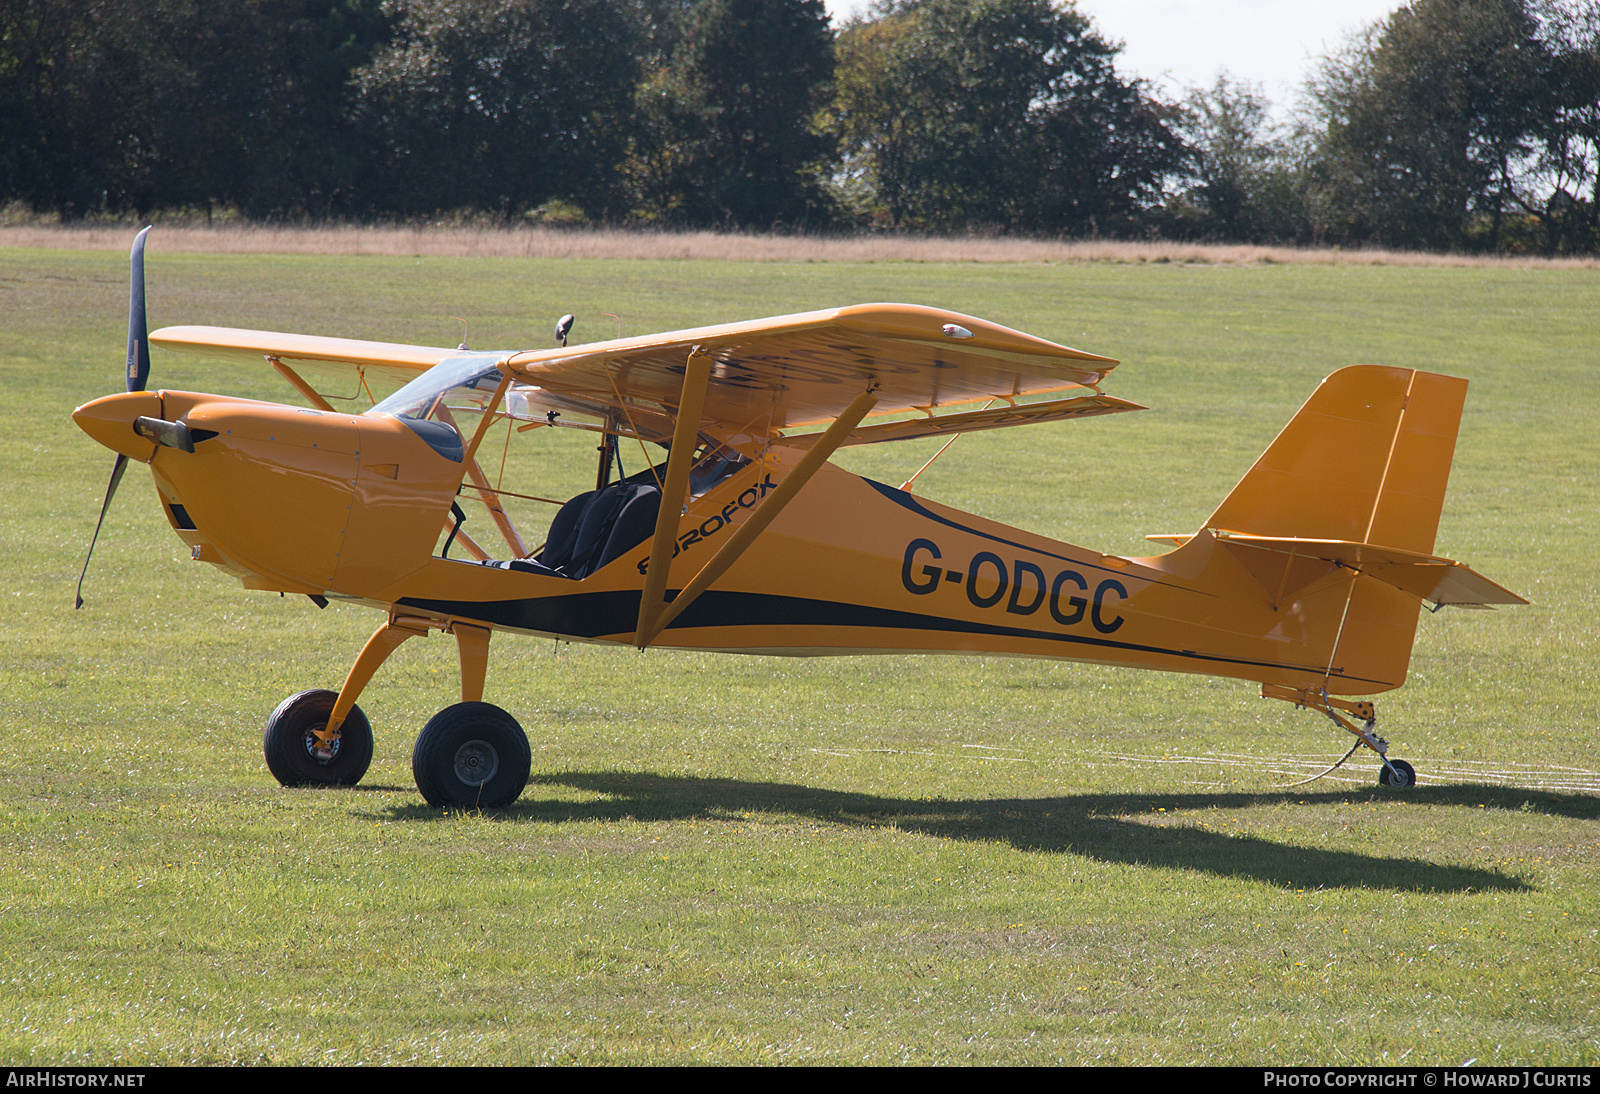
(1395, 773)
(384, 641)
(472, 755)
(472, 643)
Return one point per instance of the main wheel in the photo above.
(473, 755)
(1402, 776)
(298, 756)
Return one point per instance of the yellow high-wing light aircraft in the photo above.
(1308, 578)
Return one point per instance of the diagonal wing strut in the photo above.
(654, 614)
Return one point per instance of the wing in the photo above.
(793, 370)
(342, 366)
(768, 375)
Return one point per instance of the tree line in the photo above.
(1456, 124)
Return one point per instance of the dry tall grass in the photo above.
(732, 246)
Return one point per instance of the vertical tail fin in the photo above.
(1364, 461)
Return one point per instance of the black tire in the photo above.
(471, 755)
(292, 750)
(1403, 775)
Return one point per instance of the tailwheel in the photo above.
(1397, 773)
(301, 752)
(472, 755)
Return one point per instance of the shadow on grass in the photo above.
(1096, 826)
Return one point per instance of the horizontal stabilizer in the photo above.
(1439, 580)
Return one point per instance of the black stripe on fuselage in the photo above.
(613, 614)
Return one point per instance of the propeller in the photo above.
(138, 330)
(138, 373)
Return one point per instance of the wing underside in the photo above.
(775, 374)
(1055, 410)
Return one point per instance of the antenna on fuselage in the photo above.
(464, 329)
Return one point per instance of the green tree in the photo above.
(72, 85)
(1247, 185)
(263, 102)
(1568, 159)
(1426, 123)
(726, 129)
(138, 104)
(1006, 113)
(500, 105)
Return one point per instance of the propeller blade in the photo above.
(111, 488)
(138, 373)
(138, 331)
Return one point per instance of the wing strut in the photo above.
(491, 500)
(674, 491)
(953, 439)
(300, 385)
(487, 494)
(765, 514)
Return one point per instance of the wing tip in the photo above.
(927, 323)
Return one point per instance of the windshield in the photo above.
(466, 382)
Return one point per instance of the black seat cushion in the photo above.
(634, 524)
(600, 520)
(594, 528)
(563, 536)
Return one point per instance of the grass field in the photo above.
(878, 860)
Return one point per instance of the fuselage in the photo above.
(356, 508)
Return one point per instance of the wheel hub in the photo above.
(321, 745)
(476, 762)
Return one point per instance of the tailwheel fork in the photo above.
(1395, 773)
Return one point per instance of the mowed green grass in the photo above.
(739, 860)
